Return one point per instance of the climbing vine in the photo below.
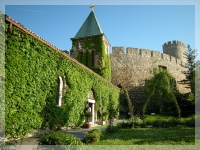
(32, 70)
(83, 49)
(2, 75)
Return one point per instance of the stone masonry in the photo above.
(130, 69)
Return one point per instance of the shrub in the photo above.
(92, 136)
(125, 125)
(58, 138)
(190, 121)
(149, 120)
(172, 122)
(111, 129)
(157, 123)
(143, 124)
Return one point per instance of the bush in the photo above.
(143, 124)
(172, 122)
(92, 136)
(157, 123)
(125, 125)
(190, 121)
(58, 138)
(110, 130)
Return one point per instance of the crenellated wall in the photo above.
(147, 54)
(131, 67)
(176, 49)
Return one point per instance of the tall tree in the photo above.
(130, 105)
(191, 61)
(162, 88)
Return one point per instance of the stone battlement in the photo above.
(173, 43)
(145, 53)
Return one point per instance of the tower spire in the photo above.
(92, 7)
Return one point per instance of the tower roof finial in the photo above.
(92, 6)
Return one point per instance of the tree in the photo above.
(161, 87)
(130, 106)
(191, 61)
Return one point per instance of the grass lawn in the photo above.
(150, 136)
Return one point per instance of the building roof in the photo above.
(90, 27)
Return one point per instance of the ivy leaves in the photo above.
(32, 71)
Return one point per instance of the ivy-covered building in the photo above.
(44, 85)
(91, 47)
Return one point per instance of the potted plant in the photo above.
(88, 115)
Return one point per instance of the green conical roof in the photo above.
(90, 27)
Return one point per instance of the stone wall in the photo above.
(176, 49)
(130, 69)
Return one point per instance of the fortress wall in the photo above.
(175, 48)
(165, 57)
(118, 50)
(173, 59)
(132, 51)
(156, 54)
(132, 68)
(145, 53)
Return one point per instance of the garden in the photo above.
(153, 130)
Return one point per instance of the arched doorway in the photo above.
(91, 104)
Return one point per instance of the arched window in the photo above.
(81, 57)
(61, 90)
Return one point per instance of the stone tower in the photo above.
(176, 49)
(91, 47)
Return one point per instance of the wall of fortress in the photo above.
(132, 67)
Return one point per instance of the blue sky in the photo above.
(141, 26)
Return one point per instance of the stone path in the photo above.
(80, 133)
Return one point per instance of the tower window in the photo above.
(86, 58)
(93, 58)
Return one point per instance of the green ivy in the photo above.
(95, 43)
(2, 74)
(32, 70)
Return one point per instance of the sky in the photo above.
(146, 26)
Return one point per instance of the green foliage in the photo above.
(92, 136)
(113, 112)
(144, 137)
(130, 106)
(190, 122)
(161, 88)
(32, 71)
(112, 129)
(187, 106)
(88, 115)
(85, 55)
(190, 75)
(169, 121)
(125, 125)
(58, 138)
(2, 76)
(105, 116)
